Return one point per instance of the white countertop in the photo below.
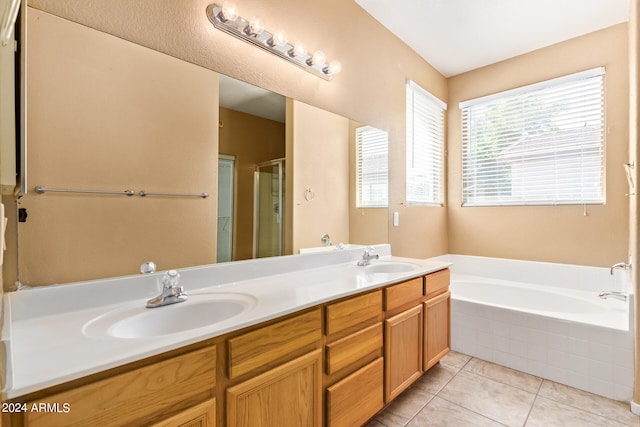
(47, 343)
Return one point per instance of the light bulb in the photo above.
(334, 68)
(229, 11)
(279, 38)
(255, 27)
(318, 58)
(297, 50)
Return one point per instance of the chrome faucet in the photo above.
(613, 294)
(620, 266)
(326, 240)
(172, 292)
(368, 256)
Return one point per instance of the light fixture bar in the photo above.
(274, 42)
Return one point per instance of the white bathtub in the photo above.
(544, 319)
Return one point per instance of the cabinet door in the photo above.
(437, 331)
(289, 395)
(403, 351)
(354, 400)
(202, 415)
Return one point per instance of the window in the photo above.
(537, 145)
(372, 168)
(425, 147)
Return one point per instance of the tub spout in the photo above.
(613, 294)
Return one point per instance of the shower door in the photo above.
(268, 214)
(226, 165)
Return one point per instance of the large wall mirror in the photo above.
(104, 114)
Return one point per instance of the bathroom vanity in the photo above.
(324, 342)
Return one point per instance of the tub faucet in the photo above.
(326, 240)
(368, 256)
(172, 292)
(620, 266)
(613, 294)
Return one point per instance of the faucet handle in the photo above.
(620, 265)
(148, 267)
(171, 279)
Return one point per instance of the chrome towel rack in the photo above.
(149, 193)
(41, 190)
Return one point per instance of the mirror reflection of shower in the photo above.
(269, 186)
(226, 167)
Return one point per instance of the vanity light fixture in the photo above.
(226, 18)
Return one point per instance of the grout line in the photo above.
(535, 399)
(440, 389)
(472, 411)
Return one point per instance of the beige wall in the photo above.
(114, 115)
(549, 233)
(319, 176)
(370, 88)
(251, 140)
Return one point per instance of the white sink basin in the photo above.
(200, 310)
(390, 267)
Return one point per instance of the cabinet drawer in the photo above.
(404, 293)
(352, 348)
(202, 415)
(133, 397)
(346, 314)
(271, 343)
(357, 398)
(436, 283)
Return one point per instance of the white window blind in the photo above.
(372, 167)
(537, 145)
(425, 147)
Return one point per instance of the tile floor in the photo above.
(465, 391)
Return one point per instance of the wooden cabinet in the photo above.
(136, 397)
(437, 330)
(402, 351)
(202, 415)
(289, 395)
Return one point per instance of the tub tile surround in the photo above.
(462, 390)
(40, 357)
(590, 357)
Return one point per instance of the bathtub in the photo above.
(546, 320)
